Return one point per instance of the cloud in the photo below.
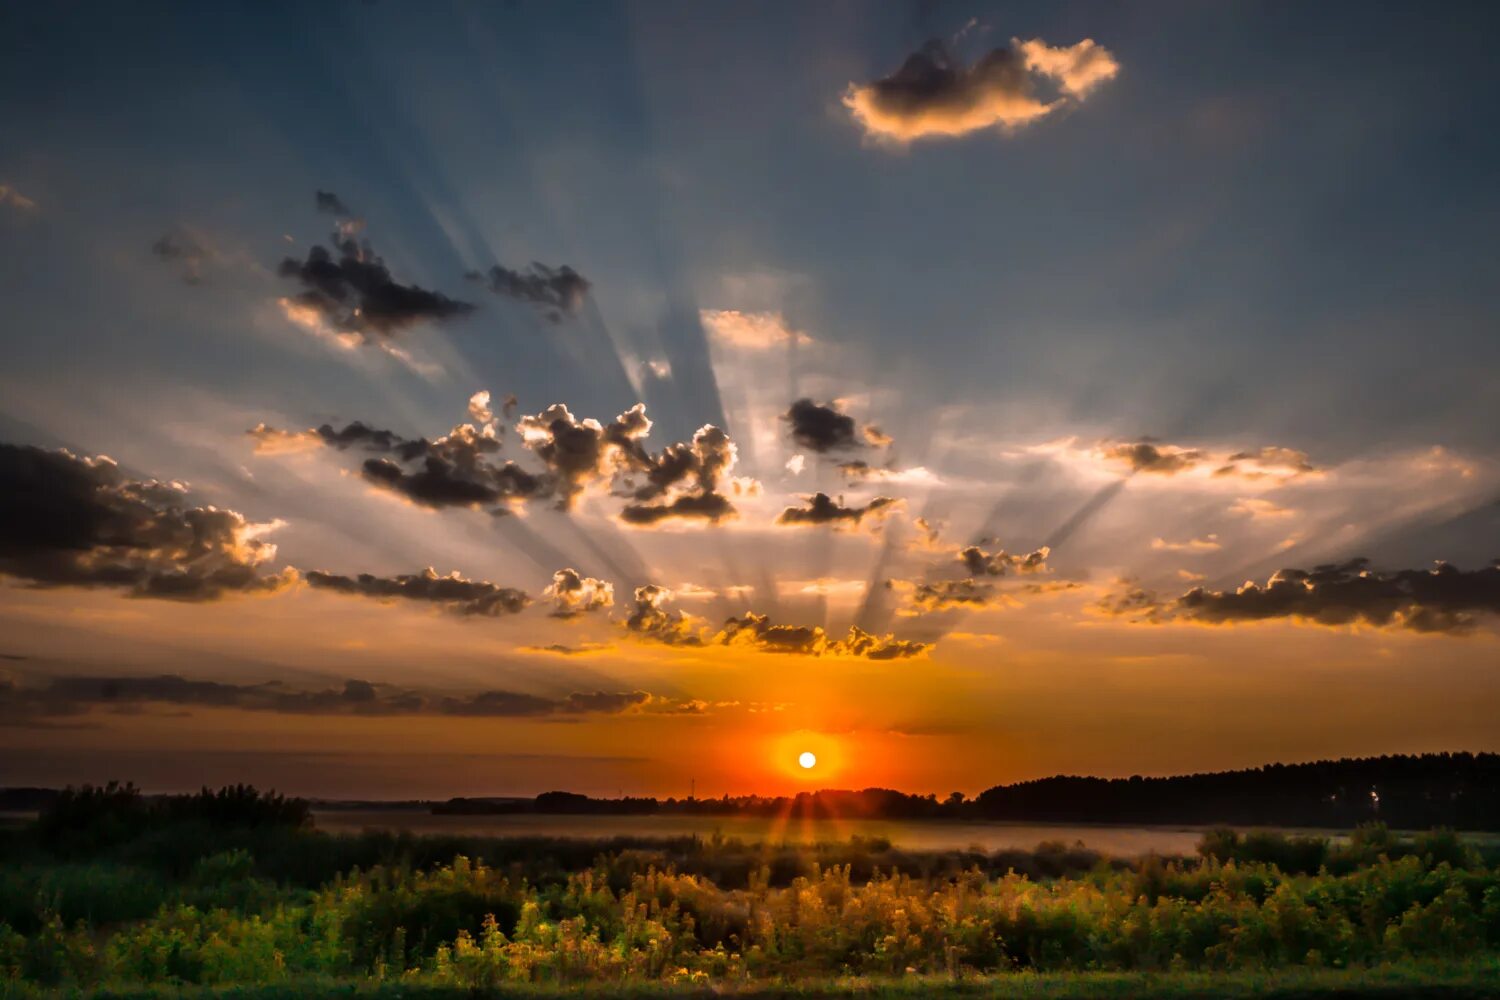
(183, 246)
(688, 477)
(15, 199)
(941, 595)
(1078, 68)
(1147, 456)
(1259, 509)
(759, 632)
(352, 293)
(822, 509)
(270, 441)
(573, 595)
(67, 520)
(686, 480)
(650, 618)
(821, 427)
(755, 331)
(1207, 544)
(327, 201)
(479, 407)
(452, 592)
(78, 695)
(933, 95)
(1151, 456)
(1443, 599)
(563, 649)
(998, 563)
(558, 289)
(1267, 461)
(453, 471)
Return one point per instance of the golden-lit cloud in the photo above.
(755, 331)
(934, 95)
(1209, 543)
(11, 197)
(573, 594)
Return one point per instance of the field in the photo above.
(235, 891)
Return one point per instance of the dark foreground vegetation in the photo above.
(111, 891)
(1456, 790)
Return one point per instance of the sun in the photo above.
(808, 760)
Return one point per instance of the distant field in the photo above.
(915, 835)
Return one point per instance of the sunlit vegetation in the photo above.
(108, 889)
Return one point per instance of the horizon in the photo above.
(406, 403)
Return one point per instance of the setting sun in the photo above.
(807, 759)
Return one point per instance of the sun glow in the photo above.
(807, 759)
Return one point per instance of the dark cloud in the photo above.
(821, 426)
(941, 595)
(1148, 456)
(62, 697)
(1442, 599)
(685, 480)
(453, 471)
(998, 563)
(759, 632)
(453, 592)
(329, 202)
(558, 289)
(353, 292)
(822, 509)
(573, 594)
(66, 520)
(182, 246)
(650, 618)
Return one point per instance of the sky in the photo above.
(462, 399)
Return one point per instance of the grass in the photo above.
(230, 895)
(1418, 981)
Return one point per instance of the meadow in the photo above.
(111, 893)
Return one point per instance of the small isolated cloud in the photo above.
(755, 331)
(573, 594)
(72, 521)
(933, 95)
(1443, 599)
(451, 592)
(349, 292)
(822, 427)
(1260, 509)
(796, 464)
(9, 196)
(327, 201)
(998, 563)
(558, 290)
(1148, 456)
(188, 250)
(1209, 543)
(564, 649)
(759, 632)
(823, 509)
